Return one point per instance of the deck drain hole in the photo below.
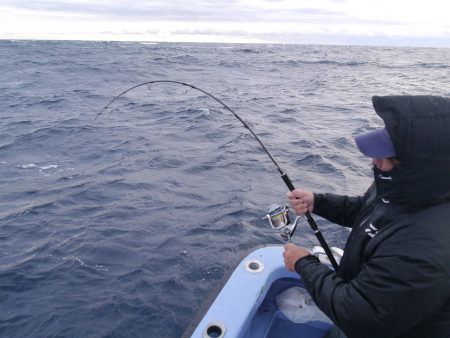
(254, 266)
(214, 330)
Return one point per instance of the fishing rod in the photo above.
(283, 174)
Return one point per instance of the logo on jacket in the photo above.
(371, 230)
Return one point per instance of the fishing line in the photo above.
(283, 174)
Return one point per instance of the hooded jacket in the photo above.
(394, 277)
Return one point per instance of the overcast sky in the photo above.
(367, 22)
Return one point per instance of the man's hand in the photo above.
(292, 254)
(301, 201)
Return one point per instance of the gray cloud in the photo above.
(173, 10)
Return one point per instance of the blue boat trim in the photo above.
(245, 303)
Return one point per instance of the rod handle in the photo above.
(288, 181)
(327, 250)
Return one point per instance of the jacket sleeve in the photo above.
(338, 209)
(390, 295)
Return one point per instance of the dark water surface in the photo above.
(121, 226)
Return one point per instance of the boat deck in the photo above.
(246, 306)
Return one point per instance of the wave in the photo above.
(296, 62)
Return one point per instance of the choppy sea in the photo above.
(121, 225)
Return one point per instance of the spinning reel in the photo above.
(278, 217)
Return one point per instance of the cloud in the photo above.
(262, 21)
(229, 11)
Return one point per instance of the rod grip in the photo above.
(327, 250)
(288, 182)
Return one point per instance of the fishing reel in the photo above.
(278, 217)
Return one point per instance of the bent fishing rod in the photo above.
(312, 223)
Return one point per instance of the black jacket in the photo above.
(394, 277)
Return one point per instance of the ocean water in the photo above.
(121, 225)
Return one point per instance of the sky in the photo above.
(350, 22)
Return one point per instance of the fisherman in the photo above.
(394, 277)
